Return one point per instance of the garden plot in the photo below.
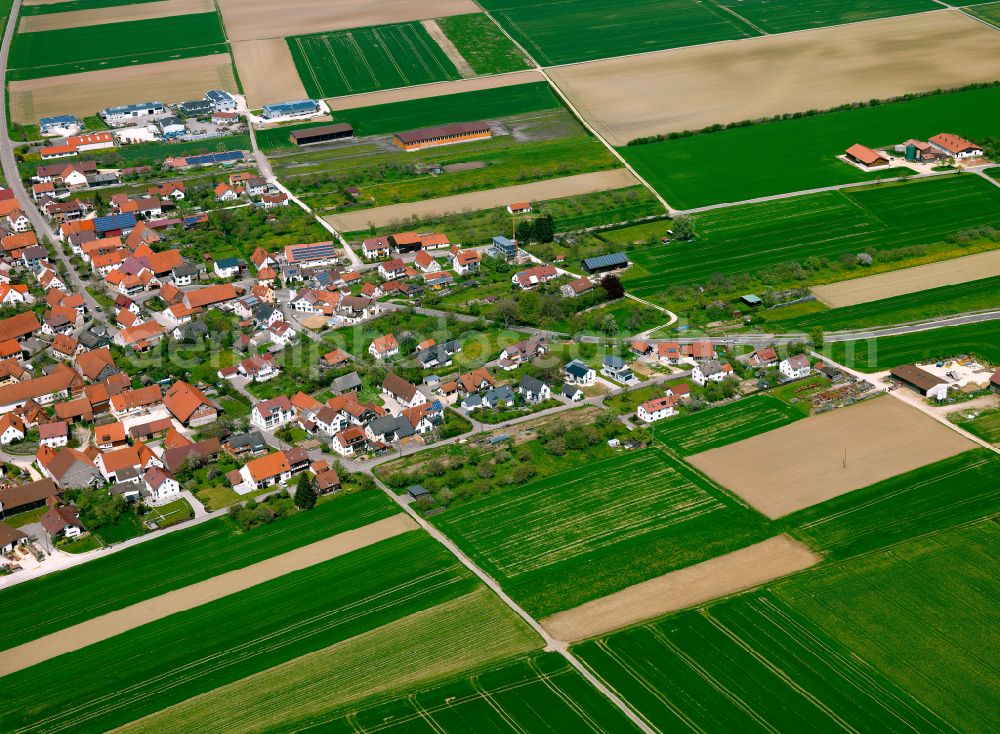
(828, 455)
(624, 98)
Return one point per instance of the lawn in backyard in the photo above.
(812, 651)
(737, 164)
(394, 117)
(110, 45)
(482, 44)
(593, 530)
(356, 60)
(172, 561)
(708, 429)
(582, 30)
(872, 355)
(753, 238)
(974, 295)
(281, 620)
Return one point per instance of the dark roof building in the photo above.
(604, 263)
(321, 134)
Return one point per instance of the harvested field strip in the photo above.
(726, 424)
(871, 355)
(171, 562)
(911, 280)
(825, 456)
(267, 72)
(151, 610)
(539, 191)
(383, 119)
(85, 93)
(471, 631)
(781, 16)
(247, 21)
(591, 531)
(735, 164)
(933, 498)
(253, 630)
(975, 295)
(119, 14)
(539, 693)
(755, 237)
(365, 59)
(72, 50)
(815, 69)
(736, 571)
(601, 28)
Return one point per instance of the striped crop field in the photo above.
(540, 693)
(366, 59)
(465, 633)
(781, 16)
(590, 531)
(982, 423)
(814, 653)
(871, 355)
(180, 657)
(752, 238)
(726, 424)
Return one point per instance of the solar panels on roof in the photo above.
(113, 222)
(210, 158)
(605, 262)
(313, 251)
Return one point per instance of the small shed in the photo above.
(752, 299)
(417, 491)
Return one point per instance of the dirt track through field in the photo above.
(247, 20)
(910, 280)
(267, 71)
(117, 14)
(115, 623)
(85, 93)
(737, 571)
(555, 188)
(803, 464)
(436, 89)
(435, 32)
(690, 88)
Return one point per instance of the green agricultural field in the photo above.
(708, 429)
(358, 60)
(813, 653)
(170, 562)
(936, 497)
(754, 237)
(110, 45)
(540, 693)
(394, 117)
(781, 16)
(482, 44)
(873, 355)
(299, 619)
(990, 12)
(71, 5)
(582, 30)
(593, 530)
(982, 423)
(975, 295)
(737, 164)
(460, 634)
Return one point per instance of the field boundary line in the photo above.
(113, 623)
(727, 9)
(913, 327)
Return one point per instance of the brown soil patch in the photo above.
(690, 88)
(436, 89)
(247, 20)
(267, 72)
(435, 32)
(909, 280)
(802, 464)
(555, 188)
(117, 14)
(114, 623)
(736, 571)
(86, 93)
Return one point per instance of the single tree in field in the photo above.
(683, 227)
(305, 495)
(612, 285)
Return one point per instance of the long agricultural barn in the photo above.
(866, 156)
(321, 134)
(604, 263)
(428, 137)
